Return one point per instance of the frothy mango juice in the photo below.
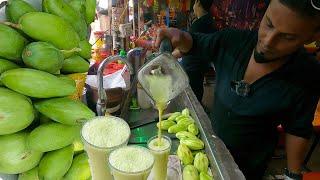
(131, 163)
(101, 135)
(160, 151)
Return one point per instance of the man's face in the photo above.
(282, 31)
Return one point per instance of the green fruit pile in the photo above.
(190, 150)
(39, 121)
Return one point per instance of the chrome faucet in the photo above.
(102, 96)
(135, 61)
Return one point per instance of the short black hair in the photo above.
(303, 7)
(206, 4)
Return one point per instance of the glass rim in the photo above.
(126, 172)
(105, 148)
(314, 5)
(162, 136)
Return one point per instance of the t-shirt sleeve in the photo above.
(207, 44)
(217, 43)
(206, 26)
(301, 115)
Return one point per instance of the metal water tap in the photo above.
(137, 62)
(132, 51)
(102, 96)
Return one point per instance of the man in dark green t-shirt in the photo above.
(264, 79)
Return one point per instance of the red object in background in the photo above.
(150, 2)
(311, 176)
(112, 67)
(98, 34)
(311, 49)
(104, 54)
(184, 6)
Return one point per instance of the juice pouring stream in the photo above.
(163, 79)
(160, 89)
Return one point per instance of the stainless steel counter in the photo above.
(221, 161)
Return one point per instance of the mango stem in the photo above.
(16, 26)
(71, 50)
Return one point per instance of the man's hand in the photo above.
(181, 41)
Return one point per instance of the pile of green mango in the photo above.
(191, 148)
(40, 122)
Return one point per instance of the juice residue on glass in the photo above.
(159, 146)
(160, 87)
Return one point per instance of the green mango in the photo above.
(90, 10)
(75, 64)
(80, 169)
(52, 136)
(44, 6)
(43, 56)
(185, 112)
(44, 119)
(12, 43)
(78, 145)
(15, 157)
(201, 162)
(65, 110)
(13, 119)
(29, 175)
(190, 173)
(13, 93)
(69, 53)
(49, 28)
(67, 79)
(85, 47)
(36, 122)
(79, 6)
(205, 176)
(35, 83)
(57, 72)
(7, 65)
(16, 8)
(66, 12)
(55, 164)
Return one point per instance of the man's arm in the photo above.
(195, 43)
(209, 45)
(296, 148)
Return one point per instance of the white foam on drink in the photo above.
(154, 144)
(131, 159)
(106, 132)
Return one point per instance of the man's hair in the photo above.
(303, 7)
(206, 4)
